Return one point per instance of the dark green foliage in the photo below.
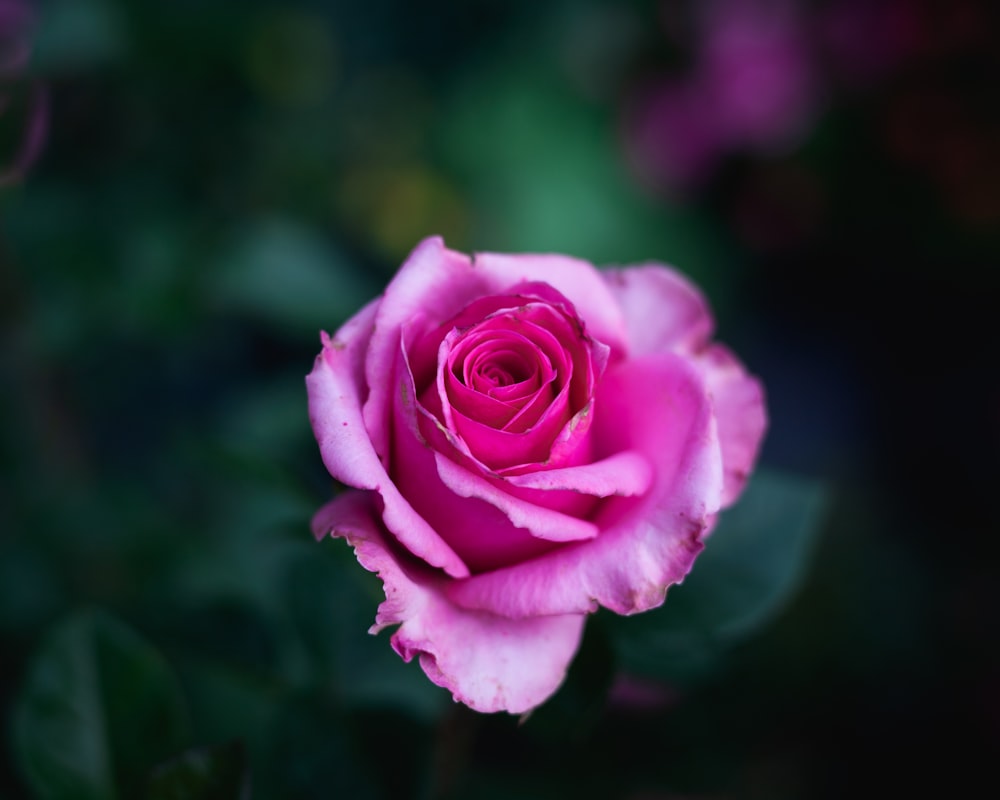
(98, 710)
(751, 566)
(210, 773)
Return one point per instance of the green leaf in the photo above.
(547, 176)
(76, 34)
(209, 773)
(751, 566)
(314, 754)
(288, 274)
(98, 710)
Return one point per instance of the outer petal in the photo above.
(657, 405)
(663, 310)
(335, 388)
(580, 282)
(488, 662)
(739, 413)
(435, 282)
(666, 312)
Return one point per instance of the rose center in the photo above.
(498, 369)
(502, 365)
(511, 374)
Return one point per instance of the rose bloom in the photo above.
(527, 438)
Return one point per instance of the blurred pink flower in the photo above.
(756, 67)
(673, 138)
(752, 87)
(23, 101)
(15, 49)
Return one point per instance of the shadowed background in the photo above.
(191, 190)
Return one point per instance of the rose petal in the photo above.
(416, 289)
(499, 449)
(627, 473)
(495, 404)
(543, 523)
(656, 405)
(485, 526)
(335, 387)
(739, 413)
(551, 439)
(482, 534)
(580, 282)
(492, 363)
(488, 410)
(488, 662)
(663, 309)
(577, 490)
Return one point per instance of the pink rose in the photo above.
(528, 438)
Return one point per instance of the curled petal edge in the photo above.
(740, 414)
(488, 662)
(664, 311)
(578, 281)
(335, 388)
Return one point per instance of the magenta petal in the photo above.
(657, 405)
(500, 449)
(667, 313)
(484, 533)
(482, 357)
(663, 309)
(626, 474)
(580, 282)
(488, 662)
(335, 387)
(488, 410)
(738, 399)
(415, 291)
(543, 523)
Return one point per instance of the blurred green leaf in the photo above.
(287, 274)
(99, 709)
(29, 587)
(229, 700)
(78, 33)
(313, 753)
(751, 566)
(291, 57)
(209, 773)
(268, 423)
(548, 176)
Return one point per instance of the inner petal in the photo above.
(498, 365)
(512, 387)
(489, 367)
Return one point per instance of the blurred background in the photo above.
(192, 190)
